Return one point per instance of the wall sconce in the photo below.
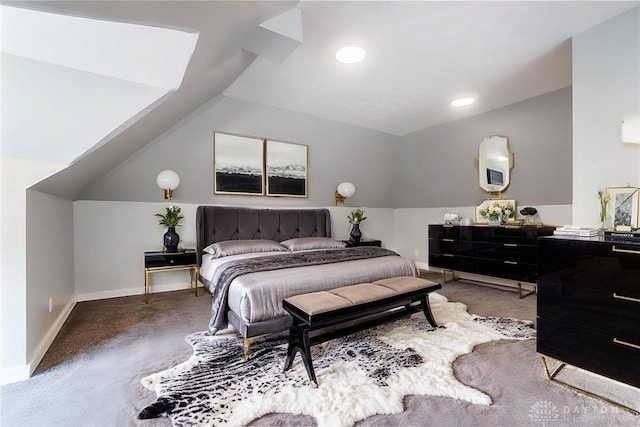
(344, 190)
(631, 129)
(168, 180)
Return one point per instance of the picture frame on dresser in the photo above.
(623, 206)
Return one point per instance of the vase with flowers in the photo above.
(604, 197)
(356, 217)
(498, 213)
(171, 219)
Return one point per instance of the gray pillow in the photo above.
(235, 247)
(307, 243)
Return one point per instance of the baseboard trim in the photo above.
(23, 372)
(14, 374)
(126, 292)
(51, 334)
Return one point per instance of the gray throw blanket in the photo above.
(225, 274)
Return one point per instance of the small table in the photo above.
(156, 261)
(363, 242)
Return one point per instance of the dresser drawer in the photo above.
(507, 270)
(452, 262)
(166, 259)
(595, 264)
(507, 251)
(451, 232)
(523, 236)
(597, 309)
(590, 350)
(451, 246)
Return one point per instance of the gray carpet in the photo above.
(91, 374)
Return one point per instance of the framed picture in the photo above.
(623, 206)
(286, 165)
(505, 205)
(238, 164)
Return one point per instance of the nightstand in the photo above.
(157, 261)
(363, 242)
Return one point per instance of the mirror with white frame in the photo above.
(494, 164)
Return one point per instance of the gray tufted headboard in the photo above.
(218, 223)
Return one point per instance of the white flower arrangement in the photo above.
(497, 211)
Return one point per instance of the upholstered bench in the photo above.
(320, 310)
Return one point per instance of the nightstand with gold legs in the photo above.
(159, 261)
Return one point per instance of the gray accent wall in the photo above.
(337, 153)
(437, 166)
(434, 167)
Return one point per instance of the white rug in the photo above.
(361, 375)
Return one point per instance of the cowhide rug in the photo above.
(361, 375)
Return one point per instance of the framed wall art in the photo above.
(286, 167)
(238, 164)
(623, 206)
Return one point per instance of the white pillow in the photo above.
(307, 243)
(235, 247)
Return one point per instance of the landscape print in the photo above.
(238, 164)
(286, 169)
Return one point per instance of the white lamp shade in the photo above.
(346, 189)
(168, 180)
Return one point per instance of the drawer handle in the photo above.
(448, 240)
(510, 245)
(628, 344)
(615, 295)
(511, 262)
(448, 255)
(626, 251)
(172, 261)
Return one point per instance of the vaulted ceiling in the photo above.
(420, 55)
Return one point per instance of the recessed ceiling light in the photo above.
(350, 54)
(462, 102)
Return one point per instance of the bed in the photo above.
(251, 259)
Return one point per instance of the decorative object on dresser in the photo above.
(343, 191)
(156, 261)
(589, 308)
(355, 218)
(496, 212)
(505, 252)
(168, 180)
(623, 208)
(171, 219)
(391, 361)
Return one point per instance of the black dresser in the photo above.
(504, 251)
(589, 305)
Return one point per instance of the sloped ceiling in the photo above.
(420, 56)
(217, 61)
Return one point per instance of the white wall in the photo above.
(49, 274)
(606, 86)
(16, 176)
(111, 237)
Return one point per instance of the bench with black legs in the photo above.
(326, 309)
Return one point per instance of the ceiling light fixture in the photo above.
(350, 54)
(462, 102)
